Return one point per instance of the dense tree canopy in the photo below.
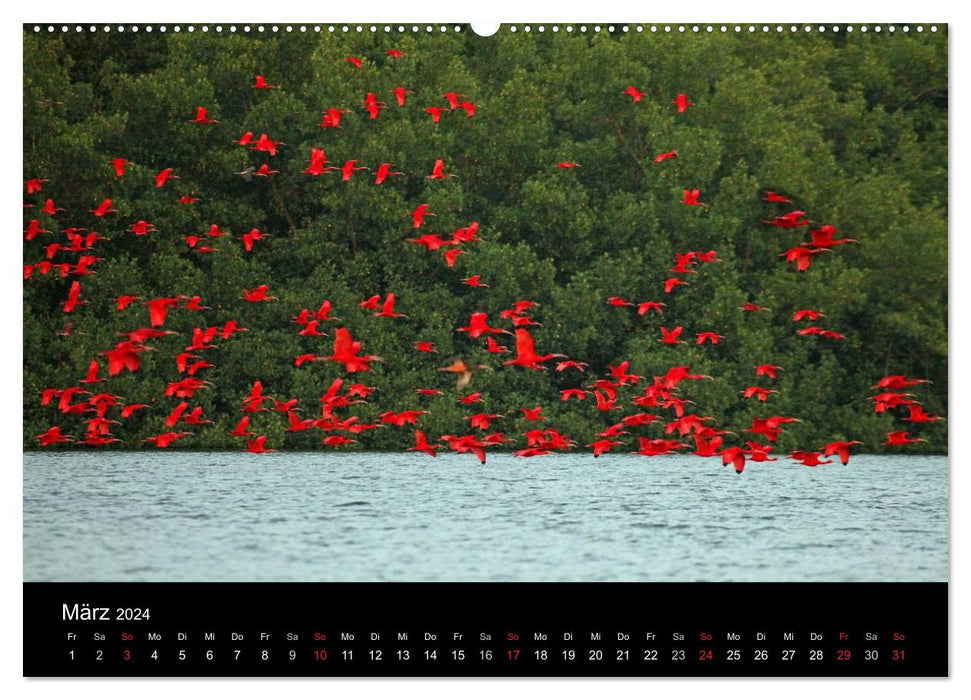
(853, 129)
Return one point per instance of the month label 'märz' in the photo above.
(515, 629)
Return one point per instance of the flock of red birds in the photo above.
(337, 423)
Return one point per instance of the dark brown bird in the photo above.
(464, 371)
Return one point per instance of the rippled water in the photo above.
(230, 516)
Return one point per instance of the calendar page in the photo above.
(612, 349)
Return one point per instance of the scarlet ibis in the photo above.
(258, 445)
(92, 375)
(653, 448)
(400, 94)
(35, 184)
(103, 209)
(671, 283)
(633, 93)
(141, 228)
(387, 308)
(760, 453)
(810, 459)
(202, 117)
(310, 329)
(571, 364)
(690, 197)
(119, 165)
(682, 102)
(451, 255)
(919, 415)
(749, 306)
(793, 219)
(823, 238)
(266, 144)
(296, 424)
(318, 160)
(300, 359)
(803, 256)
(164, 176)
(646, 306)
(482, 420)
(422, 445)
(466, 234)
(889, 399)
(526, 355)
(468, 107)
(811, 314)
(708, 336)
(432, 241)
(770, 196)
(263, 171)
(425, 346)
(495, 348)
(165, 439)
(349, 168)
(323, 313)
(176, 414)
(354, 61)
(73, 298)
(438, 171)
(261, 84)
(767, 370)
(453, 99)
(242, 428)
(331, 118)
(532, 414)
(734, 456)
(901, 438)
(53, 436)
(419, 214)
(49, 208)
(758, 392)
(566, 165)
(258, 294)
(619, 301)
(467, 443)
(436, 113)
(707, 256)
(840, 448)
(373, 105)
(671, 337)
(661, 157)
(346, 351)
(474, 281)
(256, 398)
(128, 411)
(33, 228)
(814, 330)
(637, 419)
(479, 325)
(408, 417)
(898, 381)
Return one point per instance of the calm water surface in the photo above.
(230, 516)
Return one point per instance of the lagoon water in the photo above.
(230, 516)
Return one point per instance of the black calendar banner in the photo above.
(546, 302)
(478, 629)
